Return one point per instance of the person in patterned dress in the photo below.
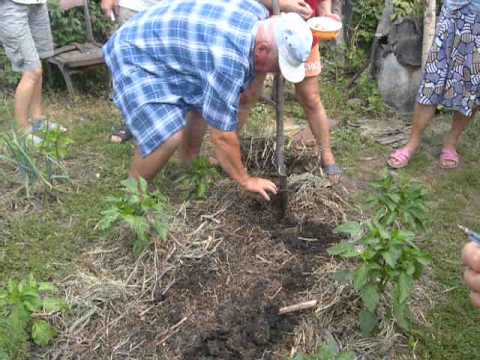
(451, 79)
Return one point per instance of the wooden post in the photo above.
(88, 22)
(428, 28)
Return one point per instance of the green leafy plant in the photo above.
(8, 77)
(199, 178)
(399, 203)
(328, 351)
(387, 257)
(33, 165)
(404, 8)
(389, 260)
(69, 26)
(24, 305)
(55, 143)
(146, 214)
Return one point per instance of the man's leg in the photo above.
(36, 106)
(422, 116)
(309, 96)
(24, 96)
(193, 136)
(149, 166)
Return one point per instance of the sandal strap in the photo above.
(449, 155)
(401, 155)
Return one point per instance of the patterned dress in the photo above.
(452, 71)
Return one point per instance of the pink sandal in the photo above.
(399, 158)
(449, 159)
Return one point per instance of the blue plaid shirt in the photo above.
(196, 54)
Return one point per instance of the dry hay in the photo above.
(171, 298)
(312, 199)
(111, 292)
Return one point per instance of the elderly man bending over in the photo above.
(198, 56)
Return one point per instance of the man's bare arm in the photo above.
(227, 147)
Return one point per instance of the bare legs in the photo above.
(28, 97)
(308, 94)
(188, 141)
(421, 119)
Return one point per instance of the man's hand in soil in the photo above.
(227, 148)
(260, 186)
(109, 8)
(471, 259)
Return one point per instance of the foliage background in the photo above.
(67, 27)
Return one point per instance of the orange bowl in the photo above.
(324, 35)
(324, 28)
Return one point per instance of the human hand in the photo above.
(260, 186)
(471, 259)
(298, 6)
(329, 14)
(109, 8)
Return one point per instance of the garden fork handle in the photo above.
(278, 84)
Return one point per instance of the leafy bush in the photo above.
(198, 178)
(404, 8)
(146, 214)
(8, 77)
(386, 250)
(69, 26)
(23, 308)
(365, 16)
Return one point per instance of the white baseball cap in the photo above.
(294, 42)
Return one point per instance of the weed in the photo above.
(55, 143)
(404, 8)
(33, 165)
(23, 307)
(199, 178)
(388, 256)
(328, 351)
(146, 214)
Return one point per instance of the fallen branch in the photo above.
(298, 307)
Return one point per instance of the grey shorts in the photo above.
(25, 34)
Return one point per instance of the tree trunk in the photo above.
(428, 28)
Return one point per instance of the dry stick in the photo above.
(172, 331)
(298, 307)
